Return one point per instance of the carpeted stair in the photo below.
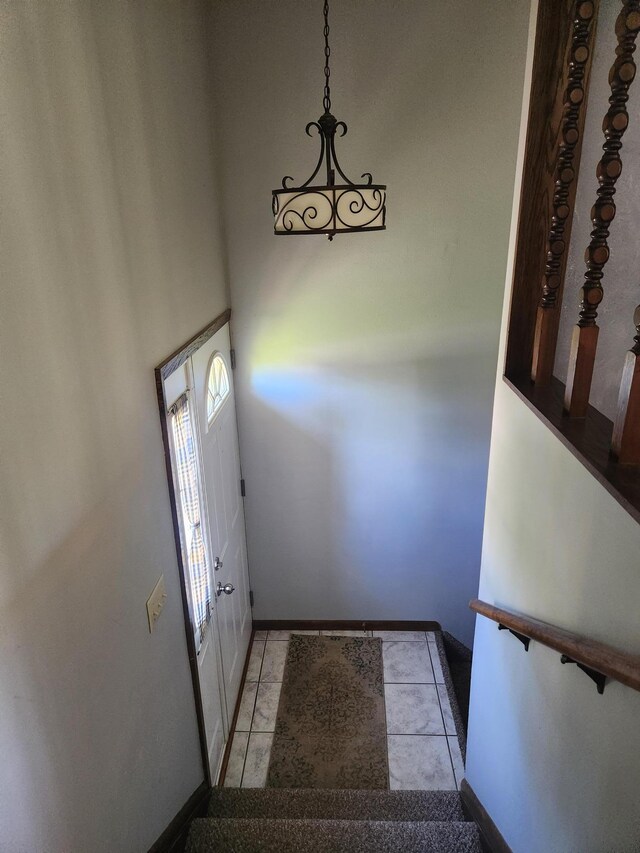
(271, 820)
(458, 658)
(322, 804)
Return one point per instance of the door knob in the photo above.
(227, 588)
(217, 564)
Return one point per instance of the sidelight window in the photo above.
(189, 494)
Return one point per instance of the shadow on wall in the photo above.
(380, 522)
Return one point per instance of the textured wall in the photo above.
(555, 764)
(622, 273)
(365, 365)
(110, 259)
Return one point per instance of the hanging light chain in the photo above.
(326, 101)
(327, 207)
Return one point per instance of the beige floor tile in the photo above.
(264, 715)
(413, 709)
(256, 762)
(275, 655)
(420, 763)
(449, 725)
(456, 758)
(284, 635)
(245, 714)
(233, 776)
(407, 662)
(437, 666)
(255, 660)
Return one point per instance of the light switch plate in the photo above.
(156, 603)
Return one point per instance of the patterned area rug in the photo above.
(331, 727)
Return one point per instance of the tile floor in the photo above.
(421, 738)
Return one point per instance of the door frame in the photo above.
(162, 371)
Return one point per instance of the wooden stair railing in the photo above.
(585, 333)
(564, 194)
(598, 660)
(565, 64)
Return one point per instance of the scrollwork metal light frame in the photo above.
(329, 208)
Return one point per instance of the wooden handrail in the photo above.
(616, 664)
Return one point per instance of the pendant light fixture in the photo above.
(329, 208)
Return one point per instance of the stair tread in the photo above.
(319, 803)
(273, 835)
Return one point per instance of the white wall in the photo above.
(110, 259)
(555, 764)
(365, 365)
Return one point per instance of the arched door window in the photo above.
(217, 386)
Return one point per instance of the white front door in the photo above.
(213, 390)
(199, 581)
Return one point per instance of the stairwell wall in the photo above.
(111, 258)
(365, 365)
(555, 764)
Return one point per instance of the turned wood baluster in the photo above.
(546, 331)
(585, 334)
(625, 444)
